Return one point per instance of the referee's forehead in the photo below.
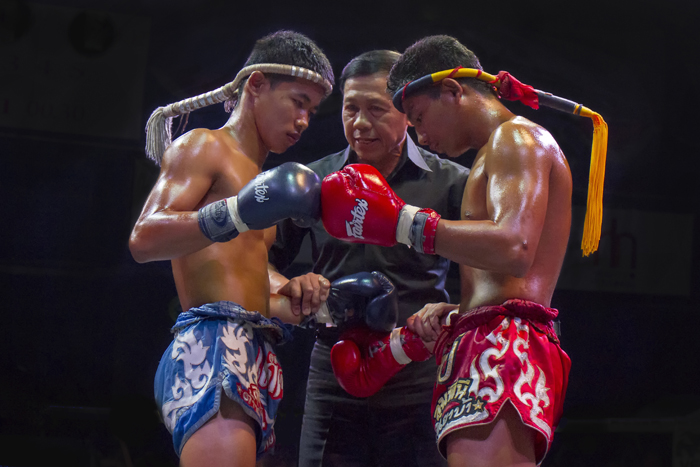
(375, 82)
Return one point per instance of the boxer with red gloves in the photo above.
(502, 377)
(360, 207)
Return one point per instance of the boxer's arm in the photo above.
(281, 307)
(277, 279)
(306, 292)
(168, 225)
(284, 305)
(517, 192)
(380, 312)
(286, 299)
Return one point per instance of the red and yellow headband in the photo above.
(510, 88)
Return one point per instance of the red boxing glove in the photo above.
(358, 206)
(364, 360)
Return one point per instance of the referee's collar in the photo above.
(411, 151)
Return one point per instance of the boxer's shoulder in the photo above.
(192, 144)
(203, 149)
(520, 136)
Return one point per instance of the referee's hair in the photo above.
(368, 63)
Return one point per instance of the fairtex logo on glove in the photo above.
(354, 227)
(260, 192)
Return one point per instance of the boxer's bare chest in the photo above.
(235, 270)
(474, 200)
(228, 178)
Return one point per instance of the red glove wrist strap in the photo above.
(429, 230)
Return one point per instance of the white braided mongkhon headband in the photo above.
(158, 128)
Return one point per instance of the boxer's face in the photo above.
(433, 123)
(373, 127)
(283, 112)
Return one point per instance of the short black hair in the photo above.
(430, 55)
(368, 63)
(289, 48)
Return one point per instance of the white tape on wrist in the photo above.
(323, 315)
(232, 206)
(397, 349)
(403, 227)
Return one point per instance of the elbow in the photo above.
(138, 253)
(139, 248)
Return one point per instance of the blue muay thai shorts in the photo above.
(220, 346)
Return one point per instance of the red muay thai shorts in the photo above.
(493, 354)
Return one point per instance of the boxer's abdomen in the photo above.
(235, 271)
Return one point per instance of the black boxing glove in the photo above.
(290, 190)
(363, 297)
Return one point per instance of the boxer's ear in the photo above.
(257, 83)
(451, 90)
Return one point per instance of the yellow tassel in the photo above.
(594, 209)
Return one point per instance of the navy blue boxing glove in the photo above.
(363, 297)
(290, 190)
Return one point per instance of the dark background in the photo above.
(83, 326)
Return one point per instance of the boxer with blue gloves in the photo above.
(212, 214)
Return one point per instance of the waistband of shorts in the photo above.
(272, 328)
(514, 308)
